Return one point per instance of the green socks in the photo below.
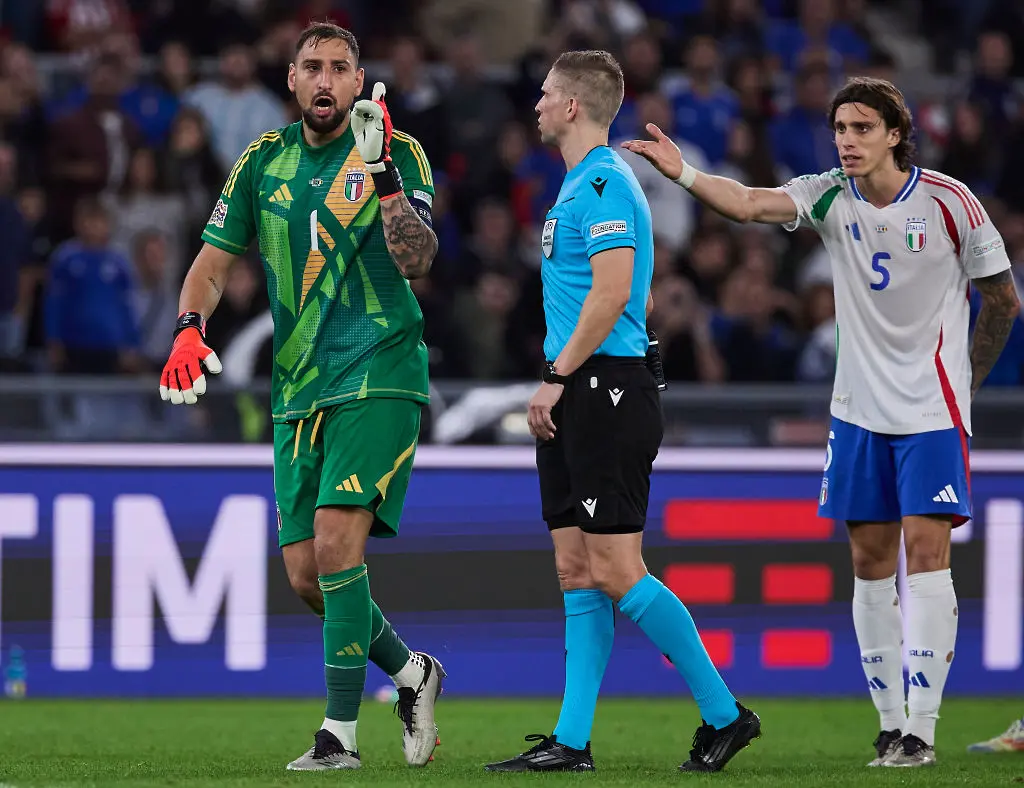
(347, 615)
(387, 651)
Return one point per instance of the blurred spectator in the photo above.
(683, 325)
(970, 153)
(33, 209)
(14, 259)
(709, 262)
(817, 362)
(738, 26)
(754, 346)
(440, 332)
(274, 52)
(202, 26)
(414, 98)
(992, 87)
(150, 107)
(90, 147)
(748, 157)
(155, 298)
(90, 319)
(505, 31)
(237, 109)
(475, 111)
(672, 209)
(493, 246)
(754, 99)
(802, 141)
(816, 28)
(176, 71)
(22, 114)
(78, 26)
(244, 299)
(482, 313)
(705, 107)
(145, 203)
(603, 24)
(190, 170)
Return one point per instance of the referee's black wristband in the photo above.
(387, 182)
(190, 320)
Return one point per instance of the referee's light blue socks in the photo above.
(589, 632)
(667, 622)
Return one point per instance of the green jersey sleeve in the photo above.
(411, 161)
(232, 225)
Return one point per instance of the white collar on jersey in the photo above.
(908, 187)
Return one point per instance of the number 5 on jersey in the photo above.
(876, 265)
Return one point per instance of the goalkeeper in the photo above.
(340, 204)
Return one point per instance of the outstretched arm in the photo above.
(730, 198)
(1000, 306)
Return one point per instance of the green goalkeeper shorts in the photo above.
(356, 454)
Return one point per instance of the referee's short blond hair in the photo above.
(594, 78)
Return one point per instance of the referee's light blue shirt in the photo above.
(600, 206)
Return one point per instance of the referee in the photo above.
(597, 420)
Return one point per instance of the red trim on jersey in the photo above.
(974, 214)
(954, 414)
(950, 222)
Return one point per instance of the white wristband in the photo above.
(687, 176)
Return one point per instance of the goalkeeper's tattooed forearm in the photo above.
(1000, 306)
(412, 244)
(214, 284)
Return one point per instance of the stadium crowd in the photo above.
(120, 118)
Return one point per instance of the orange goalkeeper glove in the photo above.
(182, 380)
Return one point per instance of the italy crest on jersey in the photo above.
(917, 235)
(354, 182)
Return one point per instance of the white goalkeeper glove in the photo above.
(371, 126)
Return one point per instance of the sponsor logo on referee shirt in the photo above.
(547, 238)
(606, 228)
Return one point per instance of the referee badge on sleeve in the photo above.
(547, 238)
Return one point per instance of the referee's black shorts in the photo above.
(596, 472)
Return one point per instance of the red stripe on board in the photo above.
(746, 520)
(796, 584)
(702, 584)
(950, 222)
(719, 645)
(974, 215)
(796, 648)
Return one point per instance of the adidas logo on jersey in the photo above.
(946, 495)
(282, 195)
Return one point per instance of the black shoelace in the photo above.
(702, 740)
(885, 741)
(545, 742)
(912, 745)
(324, 746)
(406, 705)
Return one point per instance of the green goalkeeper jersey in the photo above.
(346, 322)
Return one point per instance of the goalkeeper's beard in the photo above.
(323, 125)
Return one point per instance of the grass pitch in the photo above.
(248, 743)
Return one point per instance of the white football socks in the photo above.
(931, 639)
(345, 731)
(411, 673)
(879, 626)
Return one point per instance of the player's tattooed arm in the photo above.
(1000, 306)
(411, 242)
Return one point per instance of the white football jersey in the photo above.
(901, 276)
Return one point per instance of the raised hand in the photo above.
(663, 153)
